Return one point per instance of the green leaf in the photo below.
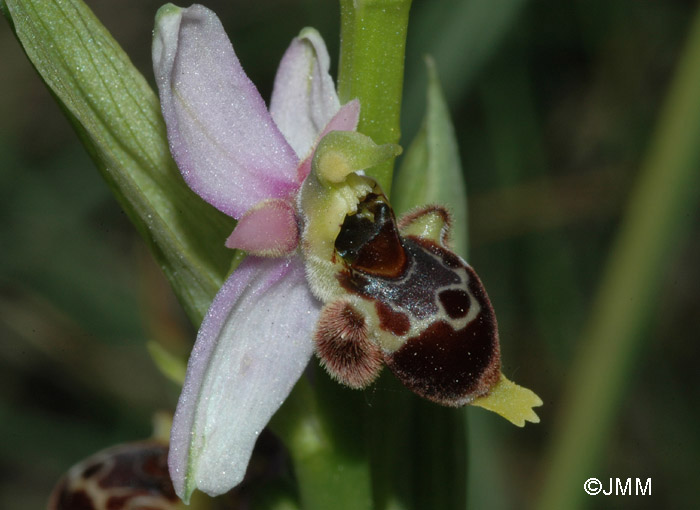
(117, 117)
(431, 171)
(469, 33)
(171, 366)
(658, 216)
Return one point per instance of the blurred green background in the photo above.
(555, 105)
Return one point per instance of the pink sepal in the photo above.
(221, 135)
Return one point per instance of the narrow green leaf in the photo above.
(170, 366)
(118, 119)
(657, 218)
(431, 171)
(373, 41)
(469, 32)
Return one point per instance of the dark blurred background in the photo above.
(554, 105)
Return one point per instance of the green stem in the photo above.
(657, 218)
(325, 427)
(373, 41)
(326, 445)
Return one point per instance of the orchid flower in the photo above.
(316, 230)
(248, 162)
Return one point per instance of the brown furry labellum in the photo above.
(431, 320)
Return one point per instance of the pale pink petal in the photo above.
(304, 97)
(252, 347)
(222, 137)
(345, 120)
(269, 229)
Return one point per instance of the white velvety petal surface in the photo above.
(221, 135)
(304, 97)
(252, 347)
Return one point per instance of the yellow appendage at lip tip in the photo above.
(511, 401)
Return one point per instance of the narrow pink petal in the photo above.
(222, 137)
(252, 347)
(345, 120)
(304, 97)
(269, 229)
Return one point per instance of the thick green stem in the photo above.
(326, 445)
(325, 430)
(657, 217)
(373, 41)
